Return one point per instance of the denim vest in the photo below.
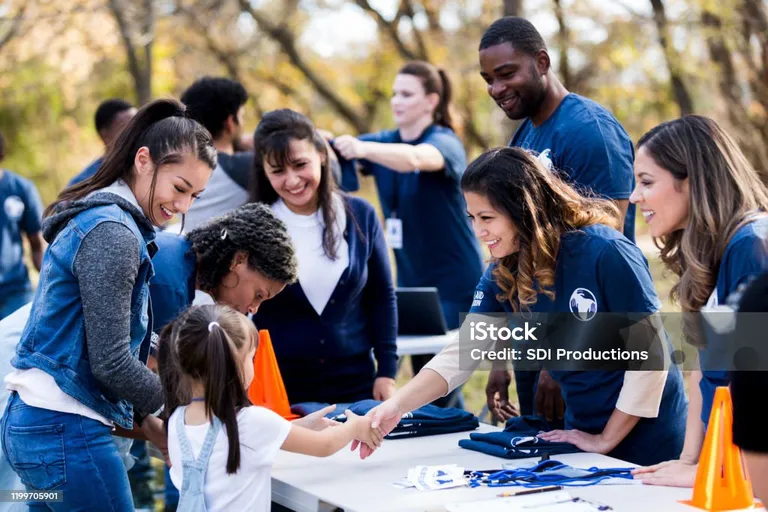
(54, 337)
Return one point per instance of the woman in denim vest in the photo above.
(79, 365)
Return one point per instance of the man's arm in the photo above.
(37, 245)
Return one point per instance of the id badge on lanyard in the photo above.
(393, 231)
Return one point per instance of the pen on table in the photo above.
(530, 491)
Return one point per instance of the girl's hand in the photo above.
(317, 420)
(592, 443)
(672, 473)
(383, 388)
(364, 432)
(384, 418)
(349, 147)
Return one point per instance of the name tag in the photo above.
(393, 231)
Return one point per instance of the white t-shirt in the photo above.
(318, 275)
(262, 433)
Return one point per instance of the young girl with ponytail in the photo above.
(418, 168)
(220, 446)
(79, 373)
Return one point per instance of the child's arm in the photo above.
(329, 441)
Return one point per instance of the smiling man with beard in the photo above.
(574, 135)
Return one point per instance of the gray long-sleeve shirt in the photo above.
(106, 267)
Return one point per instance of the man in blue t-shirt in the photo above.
(573, 135)
(111, 118)
(21, 212)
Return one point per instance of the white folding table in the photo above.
(309, 484)
(409, 345)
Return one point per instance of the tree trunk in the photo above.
(287, 41)
(513, 8)
(141, 72)
(672, 57)
(563, 42)
(13, 31)
(747, 134)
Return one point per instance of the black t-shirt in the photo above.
(749, 388)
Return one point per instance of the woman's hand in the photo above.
(385, 418)
(383, 388)
(672, 473)
(317, 420)
(155, 432)
(349, 147)
(592, 443)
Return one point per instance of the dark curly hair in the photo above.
(253, 229)
(211, 100)
(519, 32)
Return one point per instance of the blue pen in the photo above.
(595, 504)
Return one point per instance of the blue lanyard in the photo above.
(537, 476)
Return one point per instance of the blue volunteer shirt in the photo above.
(746, 256)
(86, 173)
(439, 248)
(589, 146)
(599, 271)
(172, 288)
(22, 212)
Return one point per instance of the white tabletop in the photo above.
(309, 484)
(408, 345)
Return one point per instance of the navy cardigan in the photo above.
(327, 357)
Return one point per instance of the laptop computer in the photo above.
(419, 312)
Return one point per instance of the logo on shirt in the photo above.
(478, 298)
(544, 159)
(583, 304)
(14, 207)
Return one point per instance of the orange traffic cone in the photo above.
(267, 388)
(722, 482)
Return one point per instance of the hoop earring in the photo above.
(233, 286)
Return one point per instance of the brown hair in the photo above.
(203, 345)
(542, 207)
(435, 80)
(725, 194)
(164, 128)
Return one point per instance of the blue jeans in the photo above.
(52, 450)
(10, 302)
(171, 493)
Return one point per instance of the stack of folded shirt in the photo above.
(518, 440)
(424, 421)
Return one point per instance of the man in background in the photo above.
(21, 211)
(112, 116)
(574, 136)
(219, 105)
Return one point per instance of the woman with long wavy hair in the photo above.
(558, 255)
(705, 205)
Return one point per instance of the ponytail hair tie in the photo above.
(210, 326)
